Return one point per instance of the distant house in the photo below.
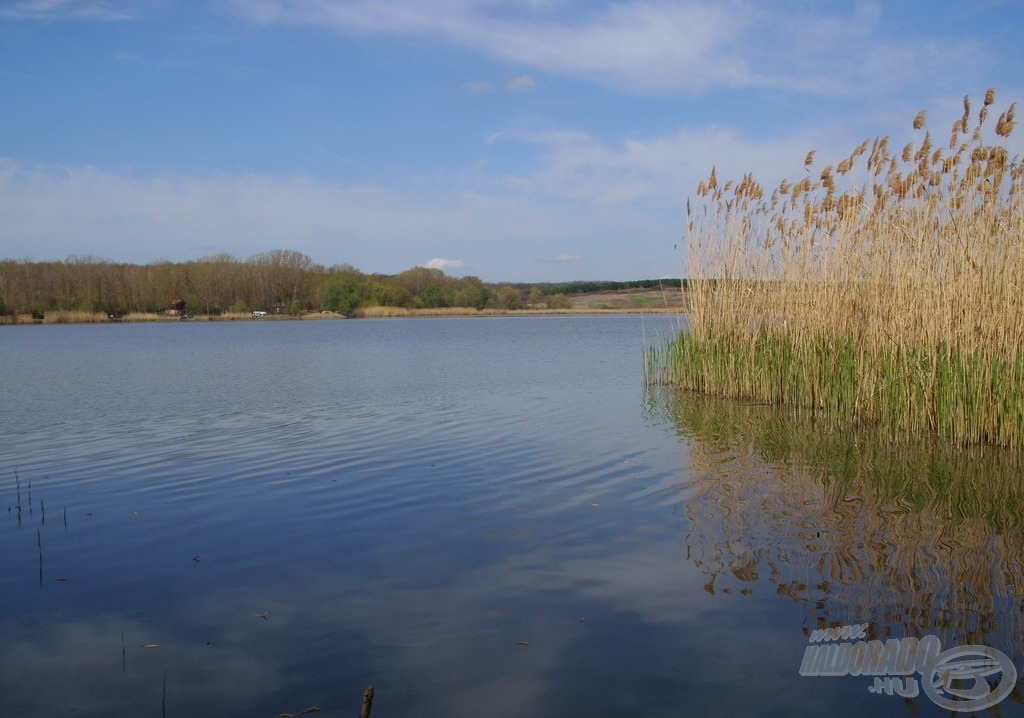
(176, 308)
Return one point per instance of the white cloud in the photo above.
(444, 264)
(523, 83)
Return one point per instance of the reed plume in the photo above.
(884, 290)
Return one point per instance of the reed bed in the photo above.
(149, 317)
(63, 316)
(450, 311)
(381, 312)
(23, 318)
(884, 289)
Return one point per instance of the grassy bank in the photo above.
(884, 289)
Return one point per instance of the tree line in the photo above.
(582, 287)
(282, 281)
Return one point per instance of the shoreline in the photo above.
(364, 313)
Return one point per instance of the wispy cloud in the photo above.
(234, 213)
(58, 211)
(648, 44)
(477, 88)
(523, 83)
(578, 185)
(659, 170)
(654, 45)
(68, 10)
(574, 195)
(562, 258)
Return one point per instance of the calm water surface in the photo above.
(478, 516)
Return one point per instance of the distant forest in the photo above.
(279, 281)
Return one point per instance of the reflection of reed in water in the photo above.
(917, 540)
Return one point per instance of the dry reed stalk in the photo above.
(889, 298)
(63, 316)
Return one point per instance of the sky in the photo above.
(513, 140)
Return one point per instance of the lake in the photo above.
(479, 517)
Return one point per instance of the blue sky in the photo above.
(516, 140)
